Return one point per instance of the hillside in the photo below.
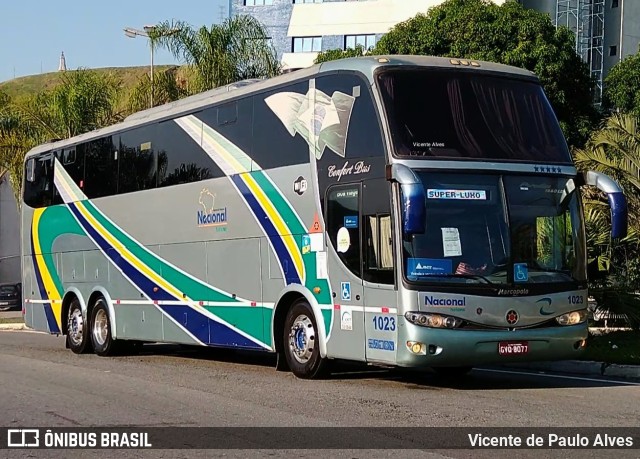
(32, 84)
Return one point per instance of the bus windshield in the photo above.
(497, 230)
(470, 115)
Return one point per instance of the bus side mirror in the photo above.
(414, 200)
(617, 201)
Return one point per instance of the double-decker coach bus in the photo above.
(400, 210)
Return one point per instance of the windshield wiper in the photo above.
(463, 276)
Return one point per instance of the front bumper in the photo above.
(473, 347)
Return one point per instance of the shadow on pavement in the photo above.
(483, 378)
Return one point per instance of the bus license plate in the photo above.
(513, 348)
(4, 303)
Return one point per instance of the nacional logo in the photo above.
(434, 301)
(210, 216)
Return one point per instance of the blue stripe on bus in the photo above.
(51, 320)
(284, 257)
(140, 280)
(48, 312)
(207, 330)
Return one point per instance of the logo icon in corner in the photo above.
(300, 185)
(512, 317)
(545, 302)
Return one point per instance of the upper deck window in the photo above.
(444, 114)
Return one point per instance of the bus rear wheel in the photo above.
(301, 344)
(77, 330)
(103, 343)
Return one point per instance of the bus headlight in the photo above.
(425, 319)
(572, 318)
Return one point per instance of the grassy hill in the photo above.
(28, 85)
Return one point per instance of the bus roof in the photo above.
(366, 65)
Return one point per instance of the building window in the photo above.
(614, 3)
(366, 41)
(258, 2)
(307, 44)
(613, 50)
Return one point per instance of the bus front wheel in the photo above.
(77, 329)
(103, 343)
(301, 344)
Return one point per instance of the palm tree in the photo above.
(615, 151)
(166, 88)
(224, 53)
(83, 101)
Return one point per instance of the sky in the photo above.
(33, 33)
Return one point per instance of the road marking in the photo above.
(580, 378)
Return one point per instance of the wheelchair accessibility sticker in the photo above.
(520, 272)
(345, 289)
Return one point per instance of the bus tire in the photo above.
(77, 330)
(301, 343)
(103, 343)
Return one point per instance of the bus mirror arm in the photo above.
(414, 205)
(617, 201)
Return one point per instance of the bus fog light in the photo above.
(417, 347)
(572, 318)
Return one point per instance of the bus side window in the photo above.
(343, 223)
(39, 191)
(378, 242)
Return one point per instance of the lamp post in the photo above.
(147, 32)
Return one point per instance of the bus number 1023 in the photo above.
(384, 323)
(576, 299)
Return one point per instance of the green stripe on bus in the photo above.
(192, 288)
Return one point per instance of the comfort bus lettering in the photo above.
(432, 301)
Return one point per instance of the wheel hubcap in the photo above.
(75, 328)
(101, 327)
(302, 338)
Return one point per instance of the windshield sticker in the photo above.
(420, 267)
(520, 272)
(351, 221)
(469, 195)
(451, 242)
(344, 240)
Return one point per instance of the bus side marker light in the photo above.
(316, 290)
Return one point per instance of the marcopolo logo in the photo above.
(449, 302)
(210, 215)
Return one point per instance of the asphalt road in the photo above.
(43, 384)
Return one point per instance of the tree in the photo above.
(83, 101)
(622, 86)
(166, 88)
(235, 50)
(334, 54)
(615, 151)
(508, 34)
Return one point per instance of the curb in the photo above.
(581, 367)
(13, 326)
